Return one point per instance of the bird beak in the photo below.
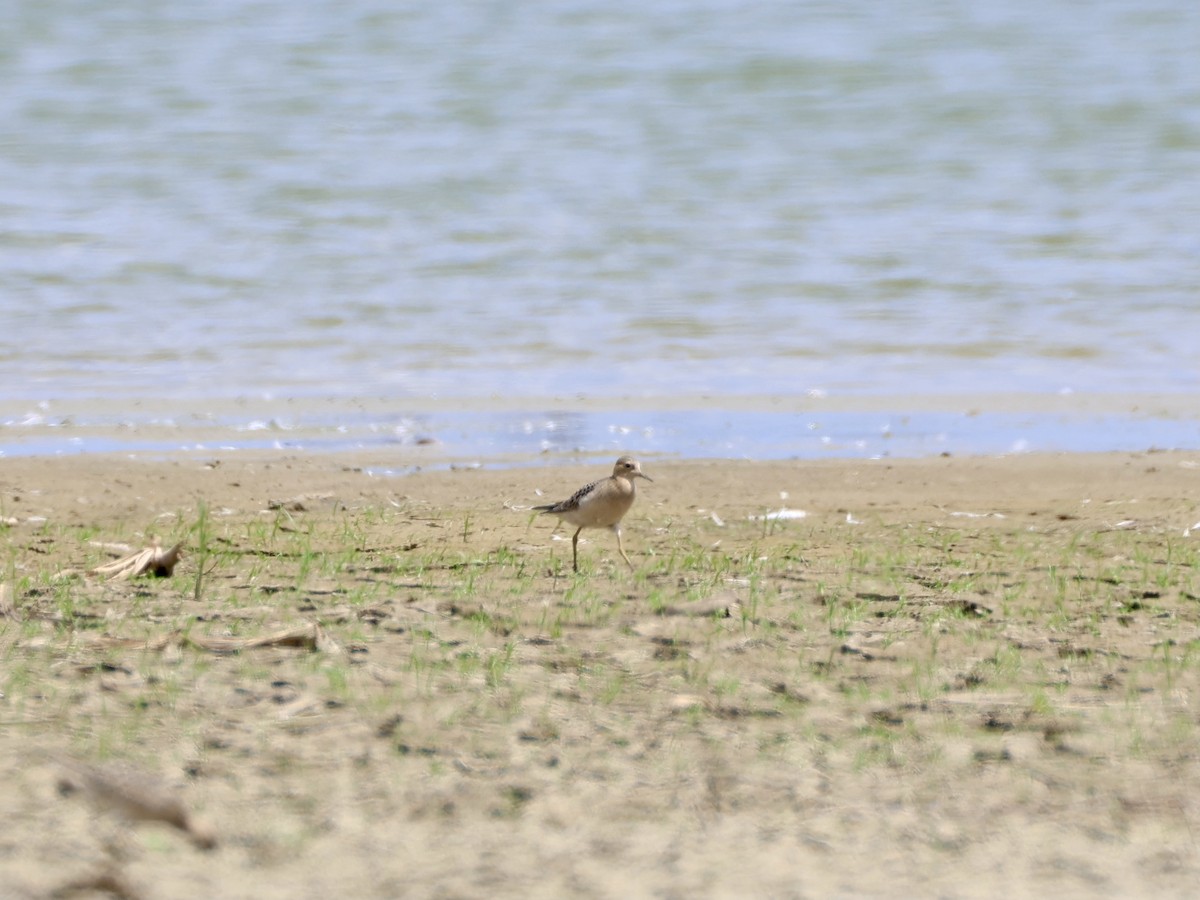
(644, 475)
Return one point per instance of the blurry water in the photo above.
(206, 202)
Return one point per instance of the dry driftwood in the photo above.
(309, 636)
(153, 560)
(107, 880)
(132, 796)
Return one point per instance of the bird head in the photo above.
(628, 467)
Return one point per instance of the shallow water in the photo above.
(353, 202)
(444, 432)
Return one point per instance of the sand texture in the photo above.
(946, 677)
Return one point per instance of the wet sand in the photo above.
(421, 431)
(963, 677)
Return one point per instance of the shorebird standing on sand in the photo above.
(601, 504)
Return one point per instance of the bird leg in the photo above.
(575, 550)
(617, 529)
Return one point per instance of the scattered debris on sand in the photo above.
(153, 560)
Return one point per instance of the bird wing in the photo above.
(573, 502)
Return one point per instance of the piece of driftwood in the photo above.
(309, 636)
(107, 880)
(131, 796)
(153, 560)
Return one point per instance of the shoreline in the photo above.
(487, 430)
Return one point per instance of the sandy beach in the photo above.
(953, 677)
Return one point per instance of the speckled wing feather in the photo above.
(572, 502)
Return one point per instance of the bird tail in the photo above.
(546, 508)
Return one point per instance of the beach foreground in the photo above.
(953, 677)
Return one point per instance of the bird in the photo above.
(601, 504)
